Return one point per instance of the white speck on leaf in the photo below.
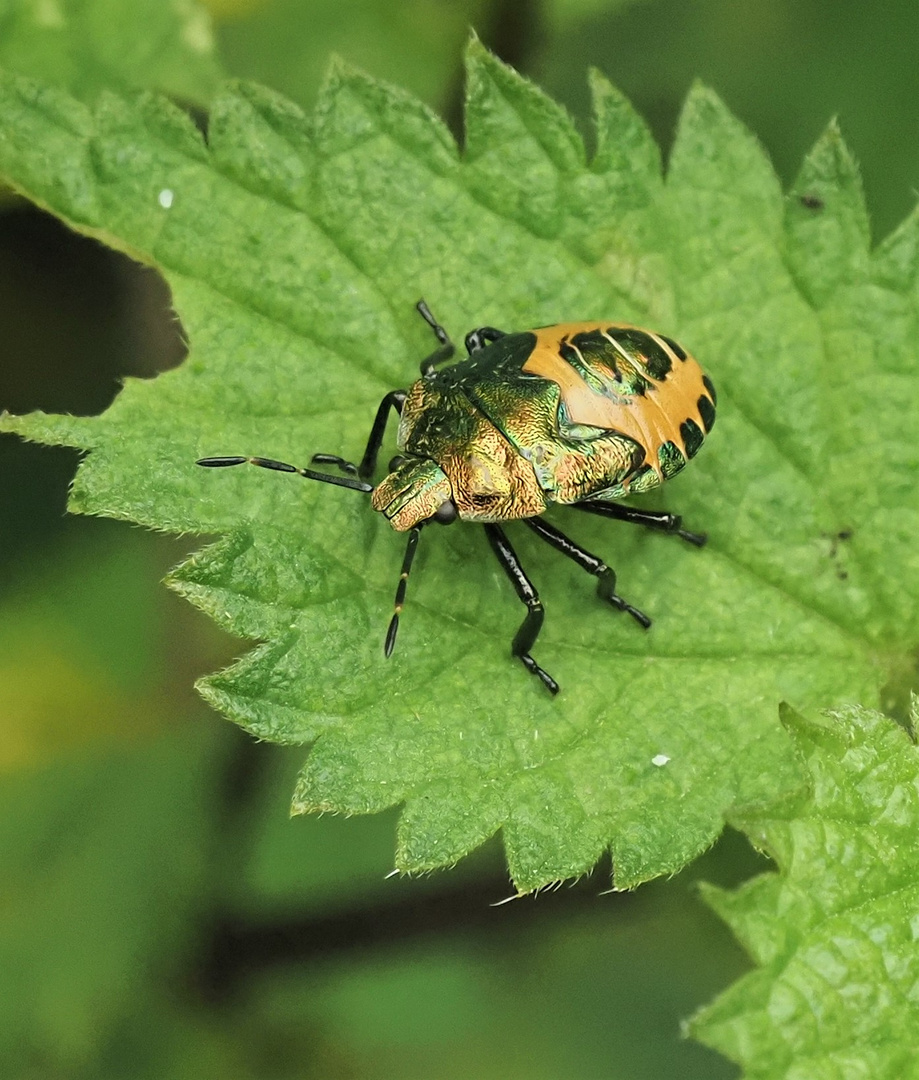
(165, 198)
(659, 760)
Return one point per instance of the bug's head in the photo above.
(416, 490)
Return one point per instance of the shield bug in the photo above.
(581, 414)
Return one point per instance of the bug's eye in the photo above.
(446, 513)
(396, 462)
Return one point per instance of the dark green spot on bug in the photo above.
(599, 347)
(671, 459)
(707, 412)
(645, 349)
(578, 414)
(692, 437)
(645, 478)
(677, 349)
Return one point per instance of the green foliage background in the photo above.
(159, 910)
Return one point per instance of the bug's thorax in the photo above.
(451, 446)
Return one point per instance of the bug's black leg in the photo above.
(347, 467)
(447, 348)
(653, 519)
(606, 578)
(282, 466)
(400, 591)
(476, 340)
(530, 627)
(395, 399)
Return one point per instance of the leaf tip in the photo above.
(338, 73)
(335, 73)
(704, 108)
(811, 730)
(701, 92)
(831, 161)
(479, 58)
(602, 91)
(475, 47)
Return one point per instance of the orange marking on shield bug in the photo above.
(651, 419)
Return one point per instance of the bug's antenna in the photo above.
(400, 591)
(282, 466)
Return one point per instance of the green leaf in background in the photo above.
(79, 638)
(88, 45)
(107, 803)
(414, 41)
(295, 248)
(562, 15)
(102, 860)
(529, 997)
(834, 932)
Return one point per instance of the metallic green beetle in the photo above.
(579, 413)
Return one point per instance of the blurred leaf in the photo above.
(287, 43)
(562, 15)
(295, 249)
(162, 1036)
(105, 803)
(235, 9)
(834, 932)
(596, 993)
(89, 45)
(101, 857)
(80, 643)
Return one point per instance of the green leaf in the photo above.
(295, 248)
(89, 45)
(833, 932)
